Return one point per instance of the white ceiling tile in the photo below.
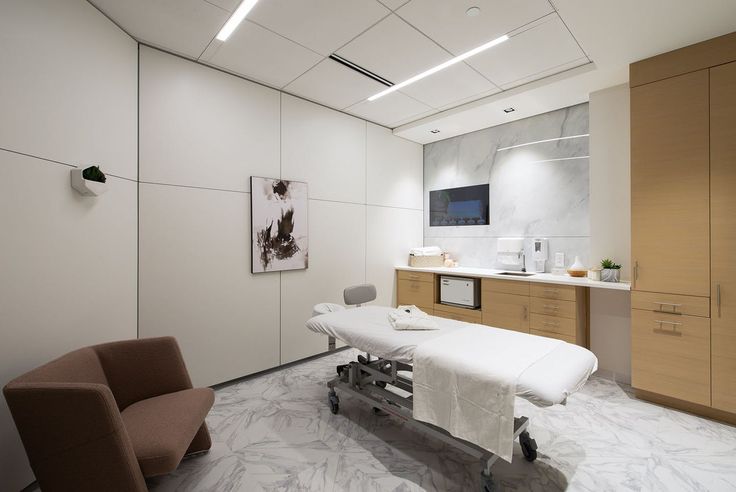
(334, 85)
(446, 21)
(320, 25)
(229, 5)
(259, 54)
(546, 45)
(393, 4)
(394, 50)
(447, 86)
(546, 73)
(389, 109)
(182, 26)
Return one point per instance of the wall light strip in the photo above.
(560, 159)
(234, 21)
(439, 67)
(543, 141)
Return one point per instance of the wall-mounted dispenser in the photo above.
(539, 254)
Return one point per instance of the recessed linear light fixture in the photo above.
(543, 141)
(234, 21)
(441, 66)
(360, 70)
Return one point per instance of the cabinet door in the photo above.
(723, 235)
(670, 236)
(507, 311)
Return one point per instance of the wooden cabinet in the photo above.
(417, 288)
(509, 311)
(671, 355)
(559, 311)
(670, 185)
(457, 313)
(723, 235)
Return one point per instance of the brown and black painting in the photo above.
(279, 225)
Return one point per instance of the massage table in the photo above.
(383, 377)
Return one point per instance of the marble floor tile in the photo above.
(275, 433)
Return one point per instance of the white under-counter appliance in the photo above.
(460, 291)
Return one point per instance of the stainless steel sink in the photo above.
(517, 274)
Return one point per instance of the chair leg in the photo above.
(201, 441)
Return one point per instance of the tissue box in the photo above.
(426, 261)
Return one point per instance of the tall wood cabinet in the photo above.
(723, 234)
(683, 219)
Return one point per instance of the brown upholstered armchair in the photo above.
(105, 417)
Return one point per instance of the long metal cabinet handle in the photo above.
(636, 272)
(525, 312)
(718, 298)
(673, 323)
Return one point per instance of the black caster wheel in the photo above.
(381, 384)
(486, 483)
(334, 402)
(528, 446)
(380, 413)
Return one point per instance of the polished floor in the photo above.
(276, 433)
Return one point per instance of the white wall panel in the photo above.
(337, 234)
(202, 127)
(324, 148)
(68, 85)
(395, 169)
(391, 232)
(67, 276)
(195, 282)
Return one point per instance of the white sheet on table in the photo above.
(548, 381)
(465, 382)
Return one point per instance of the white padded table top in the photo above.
(548, 381)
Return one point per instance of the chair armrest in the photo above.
(144, 368)
(74, 435)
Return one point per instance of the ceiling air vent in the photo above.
(360, 70)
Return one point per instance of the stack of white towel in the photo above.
(411, 318)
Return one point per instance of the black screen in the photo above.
(459, 206)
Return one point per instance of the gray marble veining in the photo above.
(276, 433)
(539, 190)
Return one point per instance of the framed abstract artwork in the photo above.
(279, 232)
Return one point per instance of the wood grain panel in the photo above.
(556, 336)
(670, 355)
(554, 307)
(553, 324)
(518, 287)
(723, 235)
(415, 292)
(554, 291)
(670, 189)
(456, 313)
(507, 311)
(706, 54)
(418, 276)
(671, 303)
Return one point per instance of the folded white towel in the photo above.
(411, 318)
(426, 251)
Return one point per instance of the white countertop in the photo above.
(546, 278)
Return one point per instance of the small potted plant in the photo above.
(611, 271)
(89, 180)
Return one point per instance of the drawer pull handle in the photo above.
(673, 323)
(550, 306)
(673, 304)
(552, 291)
(548, 323)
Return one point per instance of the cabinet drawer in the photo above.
(517, 287)
(415, 292)
(671, 303)
(507, 311)
(553, 291)
(552, 324)
(557, 336)
(469, 315)
(670, 355)
(553, 307)
(417, 276)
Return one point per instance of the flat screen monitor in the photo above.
(463, 206)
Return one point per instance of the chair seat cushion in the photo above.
(161, 428)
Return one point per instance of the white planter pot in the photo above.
(85, 186)
(611, 274)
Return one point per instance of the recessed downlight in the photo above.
(434, 131)
(473, 12)
(509, 110)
